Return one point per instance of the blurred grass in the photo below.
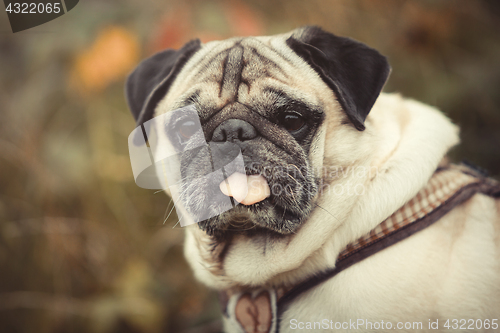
(82, 248)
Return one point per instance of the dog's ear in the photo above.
(150, 81)
(355, 72)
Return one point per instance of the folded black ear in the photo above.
(150, 81)
(355, 72)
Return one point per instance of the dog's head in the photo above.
(270, 99)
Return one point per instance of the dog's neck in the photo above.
(405, 140)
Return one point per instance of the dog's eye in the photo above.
(187, 129)
(292, 122)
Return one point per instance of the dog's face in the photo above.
(272, 99)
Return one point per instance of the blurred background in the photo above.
(82, 248)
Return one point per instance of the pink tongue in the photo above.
(245, 189)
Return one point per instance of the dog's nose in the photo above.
(234, 129)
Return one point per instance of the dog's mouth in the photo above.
(261, 208)
(265, 216)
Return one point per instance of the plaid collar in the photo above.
(260, 310)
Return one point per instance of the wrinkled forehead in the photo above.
(251, 71)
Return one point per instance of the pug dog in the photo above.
(350, 219)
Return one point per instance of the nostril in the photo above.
(219, 135)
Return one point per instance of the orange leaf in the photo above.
(113, 54)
